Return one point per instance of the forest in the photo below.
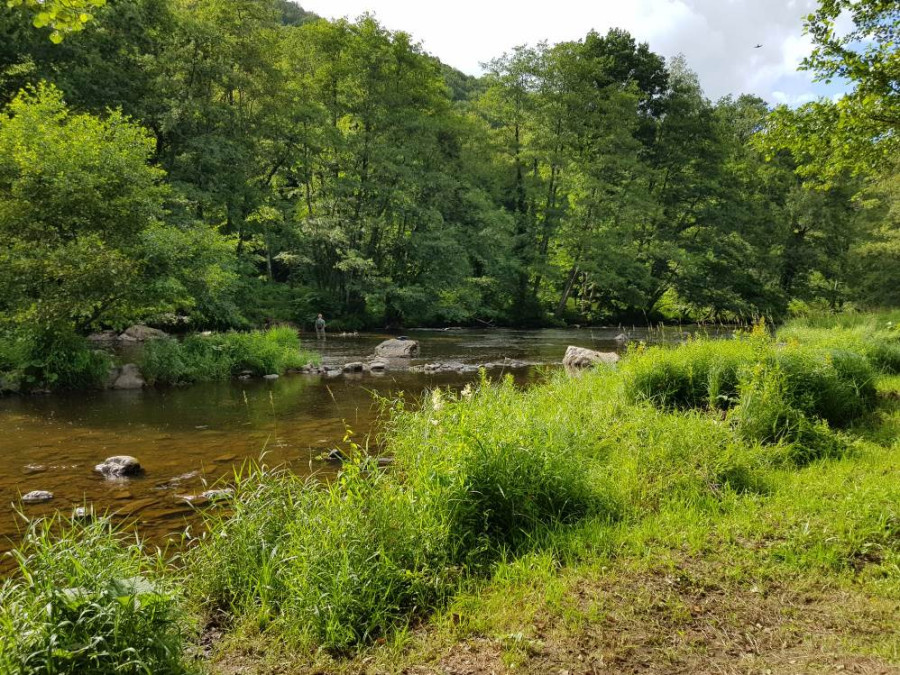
(232, 163)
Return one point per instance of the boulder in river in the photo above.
(128, 377)
(271, 377)
(397, 349)
(141, 333)
(119, 466)
(103, 337)
(218, 495)
(354, 367)
(377, 365)
(37, 497)
(579, 357)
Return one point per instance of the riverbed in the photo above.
(190, 439)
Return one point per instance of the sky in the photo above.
(718, 37)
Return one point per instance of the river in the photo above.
(188, 438)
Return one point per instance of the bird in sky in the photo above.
(757, 46)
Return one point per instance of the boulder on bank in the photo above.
(127, 377)
(354, 367)
(119, 466)
(579, 357)
(37, 497)
(397, 349)
(141, 333)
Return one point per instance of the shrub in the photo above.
(217, 357)
(52, 359)
(85, 601)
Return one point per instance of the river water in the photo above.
(190, 438)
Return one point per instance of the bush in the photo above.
(51, 359)
(86, 602)
(218, 357)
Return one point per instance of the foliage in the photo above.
(86, 600)
(200, 358)
(317, 166)
(61, 16)
(51, 359)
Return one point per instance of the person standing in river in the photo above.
(320, 327)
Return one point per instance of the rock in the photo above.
(401, 348)
(621, 338)
(83, 512)
(9, 384)
(103, 337)
(353, 367)
(335, 455)
(119, 466)
(377, 365)
(140, 333)
(112, 376)
(129, 377)
(271, 377)
(578, 357)
(218, 495)
(37, 497)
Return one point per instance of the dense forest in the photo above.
(226, 163)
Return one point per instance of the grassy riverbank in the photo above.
(720, 505)
(74, 364)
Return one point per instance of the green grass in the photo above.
(725, 476)
(200, 358)
(86, 600)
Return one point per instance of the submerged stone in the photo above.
(37, 497)
(119, 466)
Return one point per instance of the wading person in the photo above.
(320, 326)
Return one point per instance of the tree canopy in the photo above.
(235, 161)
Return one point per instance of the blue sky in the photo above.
(717, 36)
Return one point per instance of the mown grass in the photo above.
(524, 518)
(221, 356)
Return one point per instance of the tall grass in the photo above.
(616, 460)
(87, 601)
(221, 356)
(874, 336)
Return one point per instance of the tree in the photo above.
(61, 16)
(82, 238)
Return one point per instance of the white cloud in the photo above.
(717, 37)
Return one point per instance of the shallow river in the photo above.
(191, 437)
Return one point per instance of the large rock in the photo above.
(140, 333)
(103, 337)
(119, 467)
(37, 497)
(128, 377)
(397, 349)
(579, 357)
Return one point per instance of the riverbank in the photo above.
(141, 356)
(730, 503)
